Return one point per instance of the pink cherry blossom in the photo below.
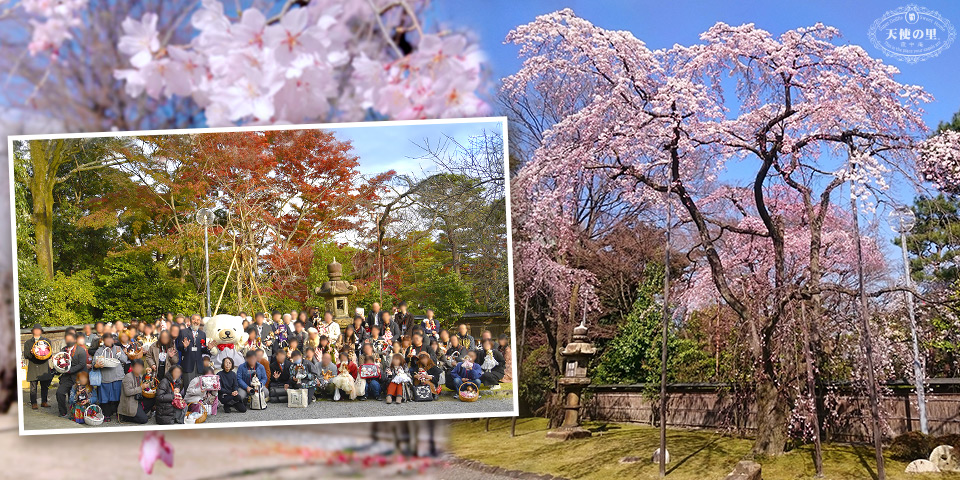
(140, 40)
(155, 447)
(940, 160)
(328, 60)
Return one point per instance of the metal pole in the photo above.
(663, 342)
(206, 250)
(866, 344)
(918, 371)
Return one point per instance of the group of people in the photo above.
(143, 370)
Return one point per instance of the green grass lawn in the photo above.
(695, 455)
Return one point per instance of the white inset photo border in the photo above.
(442, 134)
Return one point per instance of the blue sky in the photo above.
(399, 147)
(661, 24)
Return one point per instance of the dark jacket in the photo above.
(434, 373)
(191, 358)
(37, 369)
(406, 322)
(164, 405)
(264, 331)
(501, 367)
(228, 382)
(284, 370)
(78, 363)
(300, 337)
(374, 319)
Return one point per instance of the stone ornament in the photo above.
(945, 459)
(922, 466)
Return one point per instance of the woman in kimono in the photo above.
(346, 378)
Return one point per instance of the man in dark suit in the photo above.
(78, 363)
(373, 318)
(405, 319)
(265, 331)
(192, 345)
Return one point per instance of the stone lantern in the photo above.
(335, 292)
(576, 355)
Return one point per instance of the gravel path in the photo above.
(501, 401)
(459, 472)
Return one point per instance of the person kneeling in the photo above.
(230, 388)
(466, 371)
(346, 379)
(170, 405)
(280, 369)
(493, 365)
(370, 373)
(132, 386)
(82, 395)
(397, 379)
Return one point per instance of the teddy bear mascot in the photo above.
(225, 334)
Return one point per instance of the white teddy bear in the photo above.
(225, 335)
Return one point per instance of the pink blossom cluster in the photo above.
(749, 258)
(939, 160)
(332, 60)
(51, 27)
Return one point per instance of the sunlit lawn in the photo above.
(694, 454)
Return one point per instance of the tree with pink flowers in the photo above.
(97, 65)
(796, 119)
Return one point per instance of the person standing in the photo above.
(330, 329)
(78, 363)
(161, 353)
(264, 333)
(429, 326)
(111, 376)
(405, 320)
(374, 318)
(466, 340)
(192, 346)
(38, 371)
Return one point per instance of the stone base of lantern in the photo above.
(569, 433)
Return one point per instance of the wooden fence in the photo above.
(722, 407)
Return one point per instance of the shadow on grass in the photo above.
(695, 453)
(862, 456)
(605, 427)
(505, 425)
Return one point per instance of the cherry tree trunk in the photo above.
(773, 414)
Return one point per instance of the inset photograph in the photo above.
(263, 276)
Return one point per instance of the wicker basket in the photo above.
(106, 362)
(469, 394)
(42, 350)
(93, 415)
(200, 409)
(135, 353)
(61, 362)
(152, 393)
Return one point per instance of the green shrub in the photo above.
(911, 446)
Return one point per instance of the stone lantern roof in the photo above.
(580, 344)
